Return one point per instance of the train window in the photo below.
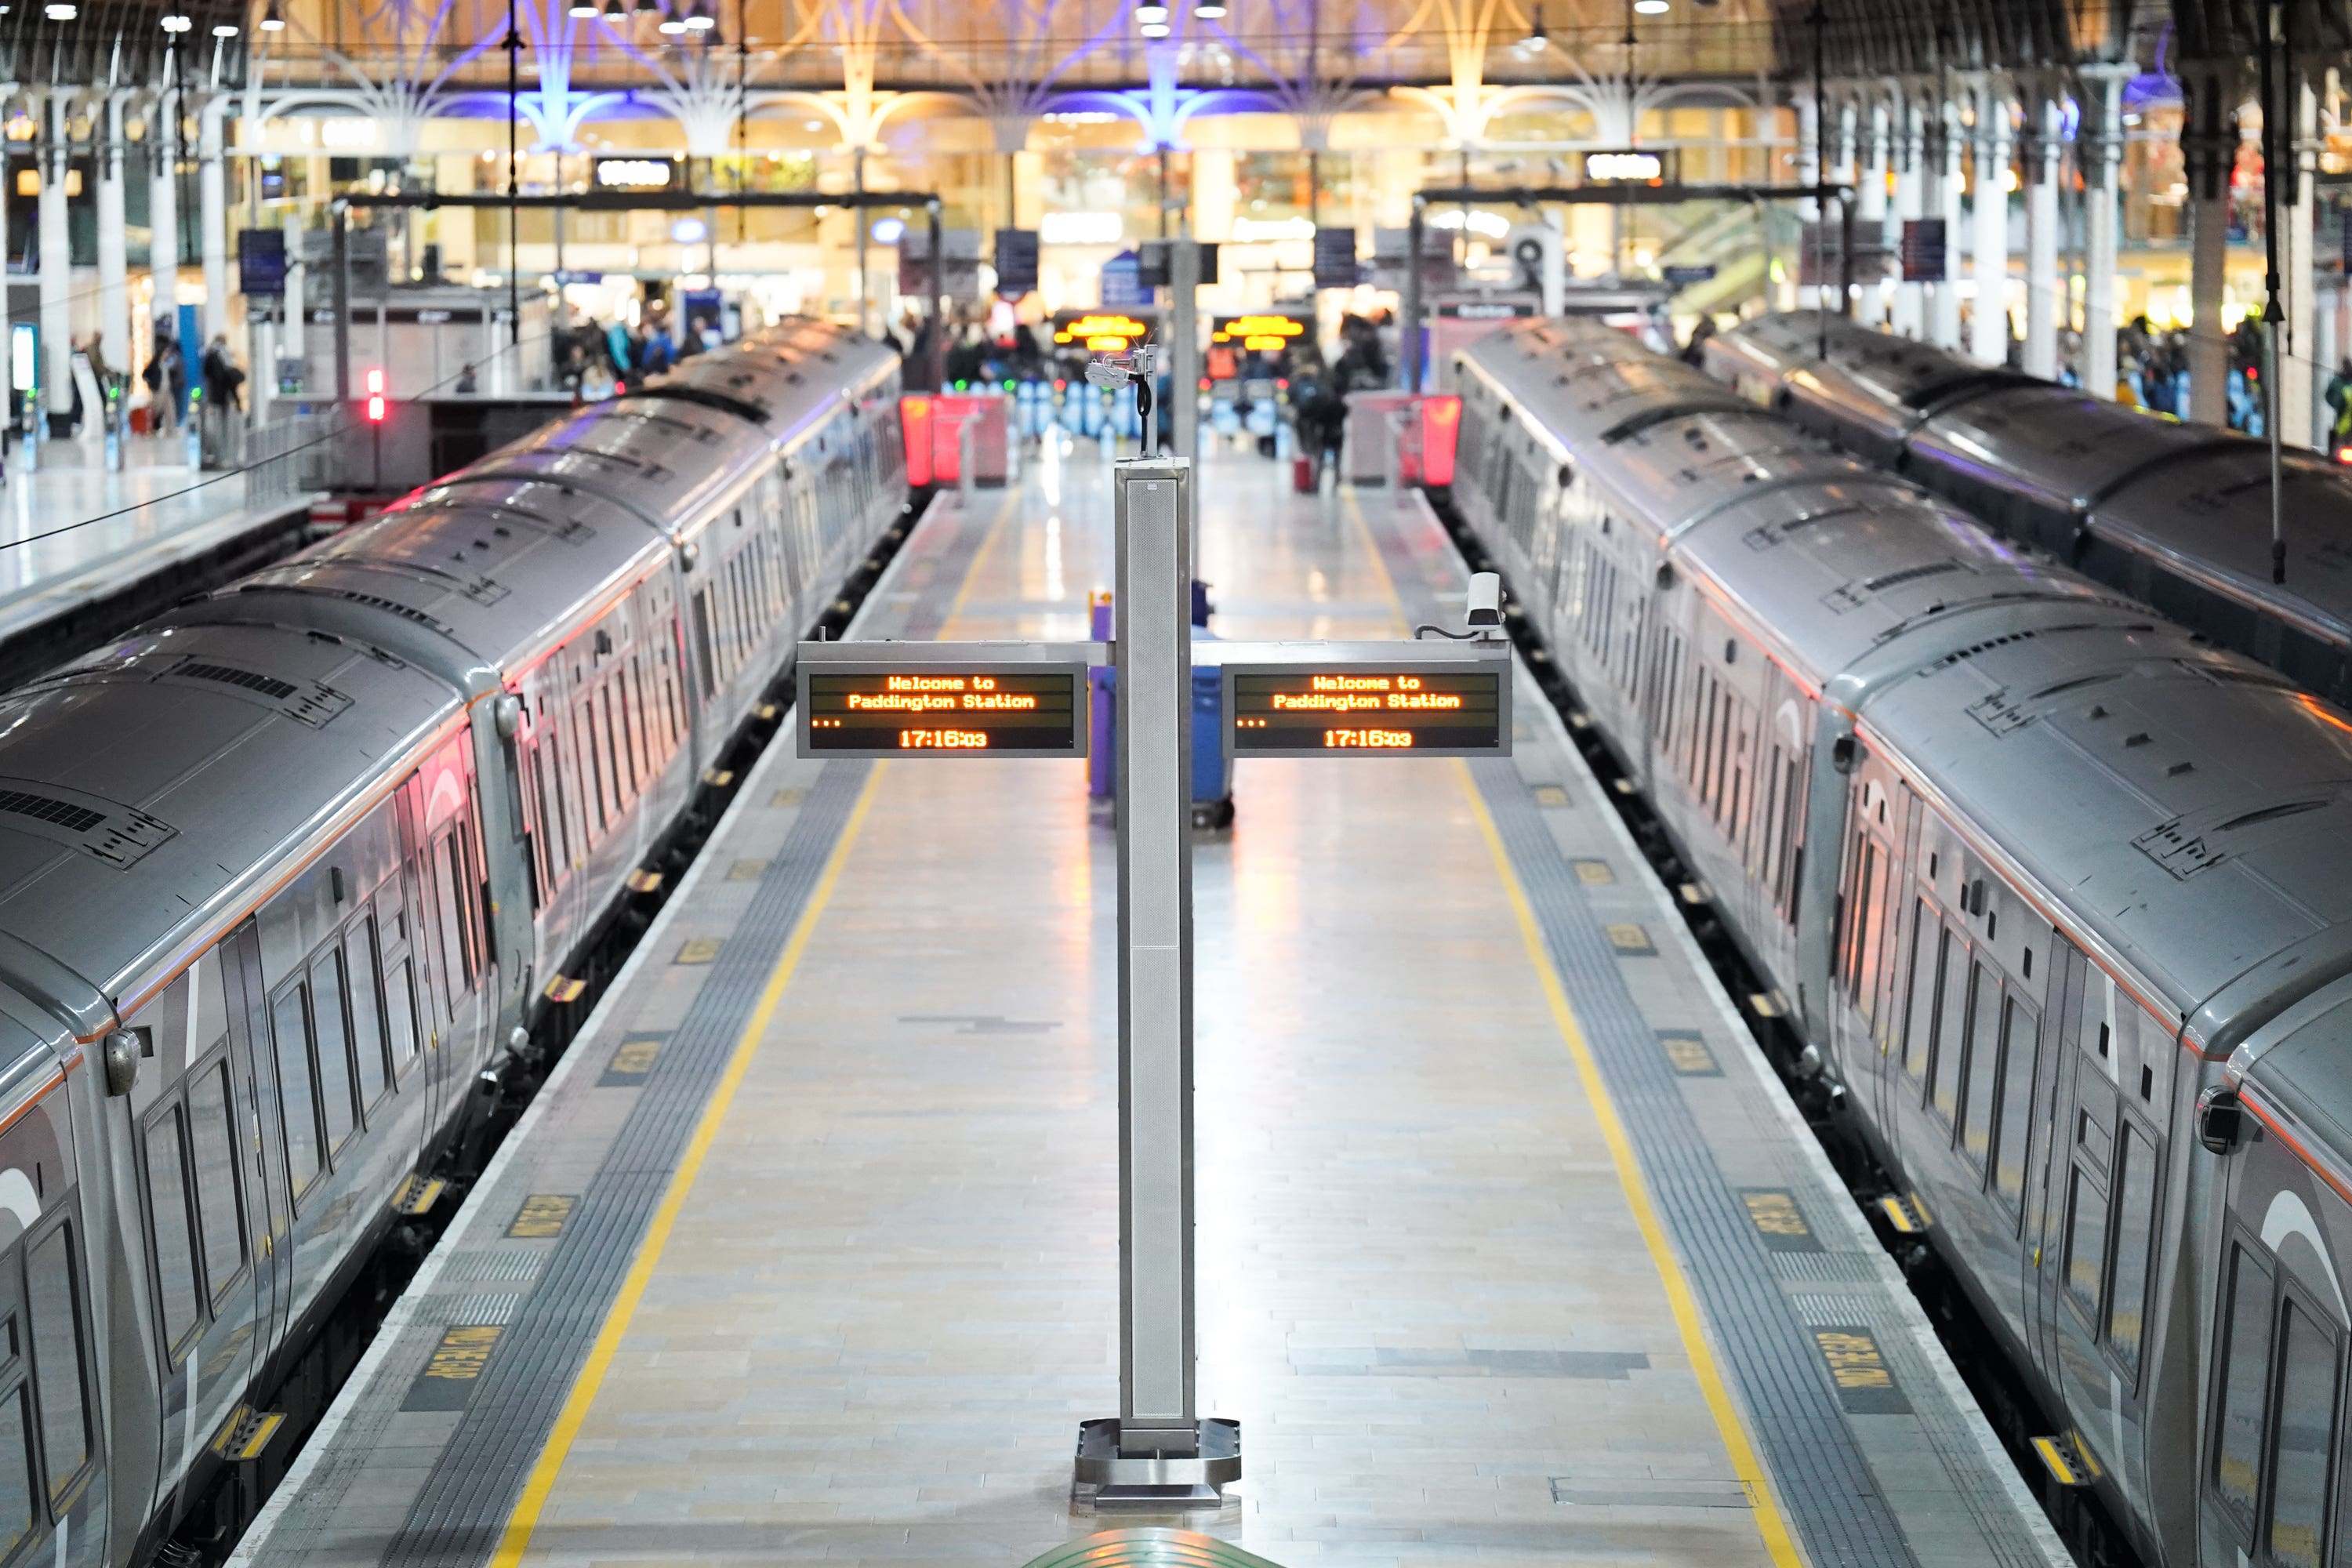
(53, 1299)
(361, 967)
(450, 882)
(1918, 1029)
(1951, 1004)
(296, 1098)
(2134, 1225)
(1978, 1065)
(600, 789)
(332, 1036)
(2020, 1039)
(2306, 1405)
(178, 1296)
(220, 1216)
(2086, 1216)
(16, 1472)
(2244, 1367)
(702, 644)
(400, 1011)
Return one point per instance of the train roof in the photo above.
(498, 565)
(2193, 808)
(1864, 365)
(128, 781)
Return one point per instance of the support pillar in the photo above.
(1184, 344)
(2297, 356)
(2101, 215)
(1950, 189)
(57, 259)
(1844, 155)
(212, 192)
(113, 260)
(1988, 319)
(1910, 202)
(1870, 215)
(164, 210)
(2045, 290)
(2209, 145)
(1809, 173)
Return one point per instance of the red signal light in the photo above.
(375, 397)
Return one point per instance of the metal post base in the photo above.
(1170, 1481)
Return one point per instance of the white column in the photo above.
(113, 262)
(2045, 289)
(57, 261)
(1949, 197)
(1911, 174)
(2102, 195)
(1809, 173)
(1870, 216)
(213, 199)
(163, 209)
(2299, 338)
(1988, 340)
(2209, 142)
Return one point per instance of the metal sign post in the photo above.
(1157, 1449)
(1184, 347)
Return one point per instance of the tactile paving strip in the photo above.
(462, 1508)
(1823, 1480)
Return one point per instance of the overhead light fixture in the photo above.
(1210, 10)
(225, 29)
(1652, 7)
(272, 22)
(1152, 15)
(62, 11)
(584, 9)
(699, 20)
(176, 24)
(1155, 30)
(1537, 37)
(673, 25)
(616, 13)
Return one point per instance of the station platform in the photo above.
(1511, 1249)
(83, 551)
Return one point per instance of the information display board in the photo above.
(1454, 708)
(878, 708)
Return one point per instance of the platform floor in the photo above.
(1510, 1249)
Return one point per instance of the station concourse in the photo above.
(1510, 1249)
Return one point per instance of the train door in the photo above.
(259, 1137)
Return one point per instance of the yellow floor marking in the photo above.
(1380, 566)
(1689, 1323)
(524, 1521)
(979, 558)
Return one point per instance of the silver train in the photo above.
(284, 873)
(2060, 895)
(2177, 515)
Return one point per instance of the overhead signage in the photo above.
(637, 174)
(1926, 258)
(261, 262)
(881, 708)
(1487, 309)
(1100, 332)
(1121, 283)
(1016, 262)
(1264, 332)
(1152, 264)
(1687, 276)
(1626, 167)
(1336, 266)
(1333, 701)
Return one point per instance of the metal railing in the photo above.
(290, 455)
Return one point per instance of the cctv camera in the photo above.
(1485, 601)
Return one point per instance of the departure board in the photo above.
(1455, 708)
(999, 711)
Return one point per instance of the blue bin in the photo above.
(1212, 771)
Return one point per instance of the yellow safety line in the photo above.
(1688, 1322)
(980, 559)
(1379, 567)
(524, 1521)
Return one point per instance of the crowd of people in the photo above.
(166, 377)
(594, 359)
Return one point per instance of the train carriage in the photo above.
(2053, 888)
(285, 873)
